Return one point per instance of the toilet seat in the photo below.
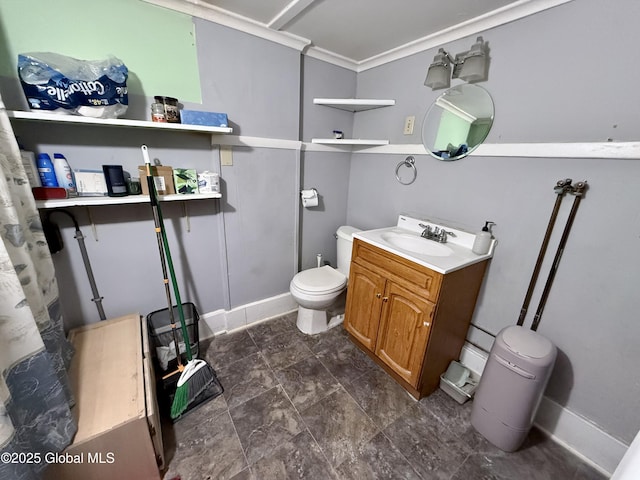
(319, 281)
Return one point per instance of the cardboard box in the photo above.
(185, 180)
(162, 176)
(114, 410)
(212, 119)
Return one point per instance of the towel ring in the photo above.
(407, 162)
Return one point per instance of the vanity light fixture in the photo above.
(470, 66)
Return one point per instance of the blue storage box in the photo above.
(212, 119)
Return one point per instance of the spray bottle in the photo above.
(483, 239)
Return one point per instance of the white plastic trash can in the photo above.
(511, 386)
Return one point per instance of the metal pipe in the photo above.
(562, 187)
(578, 191)
(97, 299)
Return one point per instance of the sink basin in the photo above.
(416, 244)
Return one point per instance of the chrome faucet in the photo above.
(442, 235)
(427, 232)
(436, 234)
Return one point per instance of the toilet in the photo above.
(321, 292)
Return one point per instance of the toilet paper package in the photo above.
(92, 88)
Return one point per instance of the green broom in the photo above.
(197, 375)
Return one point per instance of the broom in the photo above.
(197, 375)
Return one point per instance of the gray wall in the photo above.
(548, 85)
(328, 172)
(590, 95)
(240, 248)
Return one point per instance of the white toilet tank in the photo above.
(345, 243)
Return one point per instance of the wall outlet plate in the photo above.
(226, 155)
(408, 124)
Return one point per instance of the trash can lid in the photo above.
(527, 342)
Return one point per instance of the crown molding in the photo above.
(495, 18)
(206, 11)
(331, 57)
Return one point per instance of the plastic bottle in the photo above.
(46, 171)
(483, 239)
(64, 175)
(30, 167)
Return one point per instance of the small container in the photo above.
(64, 175)
(338, 135)
(482, 243)
(171, 109)
(116, 184)
(459, 394)
(133, 186)
(208, 182)
(157, 113)
(46, 171)
(30, 168)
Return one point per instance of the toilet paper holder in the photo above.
(309, 197)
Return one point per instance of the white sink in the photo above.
(416, 244)
(405, 241)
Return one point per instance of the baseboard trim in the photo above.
(225, 321)
(574, 432)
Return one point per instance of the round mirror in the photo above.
(457, 122)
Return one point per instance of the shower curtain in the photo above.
(35, 399)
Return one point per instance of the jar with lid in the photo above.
(171, 110)
(157, 113)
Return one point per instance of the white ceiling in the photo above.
(360, 34)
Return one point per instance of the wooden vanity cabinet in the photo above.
(410, 319)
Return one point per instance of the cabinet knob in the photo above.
(426, 324)
(378, 295)
(384, 299)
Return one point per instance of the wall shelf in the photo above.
(95, 201)
(353, 104)
(114, 122)
(349, 141)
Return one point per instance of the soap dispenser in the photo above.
(483, 239)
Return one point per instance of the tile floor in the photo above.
(316, 407)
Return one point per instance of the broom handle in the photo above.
(176, 291)
(158, 229)
(165, 255)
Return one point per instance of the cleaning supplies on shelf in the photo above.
(64, 175)
(482, 243)
(46, 171)
(30, 168)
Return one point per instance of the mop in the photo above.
(197, 376)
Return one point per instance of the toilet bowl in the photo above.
(320, 292)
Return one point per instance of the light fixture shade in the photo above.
(474, 66)
(473, 69)
(438, 76)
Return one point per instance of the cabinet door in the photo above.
(364, 302)
(404, 331)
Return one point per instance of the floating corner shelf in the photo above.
(353, 104)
